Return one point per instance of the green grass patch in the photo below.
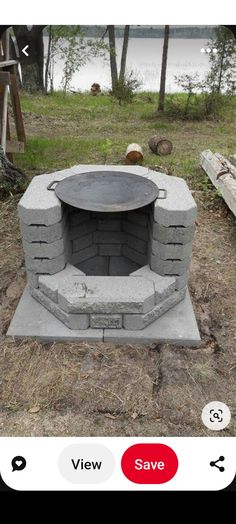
(79, 128)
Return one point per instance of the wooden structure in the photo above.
(9, 87)
(222, 175)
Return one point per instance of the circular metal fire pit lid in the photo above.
(107, 191)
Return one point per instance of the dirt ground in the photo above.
(130, 390)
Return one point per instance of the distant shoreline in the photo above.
(188, 32)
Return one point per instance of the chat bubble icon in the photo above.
(18, 463)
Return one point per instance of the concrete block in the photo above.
(110, 249)
(109, 224)
(169, 267)
(137, 322)
(48, 284)
(72, 321)
(109, 237)
(137, 244)
(173, 234)
(84, 254)
(137, 257)
(136, 230)
(106, 321)
(164, 286)
(44, 233)
(112, 295)
(83, 229)
(40, 206)
(78, 217)
(171, 251)
(44, 250)
(81, 243)
(181, 281)
(178, 326)
(138, 218)
(43, 265)
(32, 279)
(179, 208)
(98, 265)
(121, 266)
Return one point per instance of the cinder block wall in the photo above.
(97, 234)
(159, 235)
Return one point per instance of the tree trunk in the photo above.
(32, 65)
(48, 60)
(163, 69)
(112, 49)
(124, 55)
(221, 67)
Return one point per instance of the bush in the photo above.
(125, 89)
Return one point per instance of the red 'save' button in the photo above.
(149, 463)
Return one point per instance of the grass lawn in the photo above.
(79, 128)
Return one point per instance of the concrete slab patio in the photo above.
(177, 326)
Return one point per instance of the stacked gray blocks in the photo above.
(132, 303)
(151, 245)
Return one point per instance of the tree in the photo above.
(222, 58)
(191, 84)
(124, 54)
(112, 53)
(163, 69)
(67, 43)
(32, 65)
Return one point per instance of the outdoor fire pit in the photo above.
(107, 252)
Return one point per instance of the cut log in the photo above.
(134, 154)
(221, 174)
(160, 145)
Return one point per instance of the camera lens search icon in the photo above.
(18, 463)
(216, 416)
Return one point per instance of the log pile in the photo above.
(222, 175)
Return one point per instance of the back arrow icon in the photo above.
(24, 50)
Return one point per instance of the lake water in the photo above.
(144, 58)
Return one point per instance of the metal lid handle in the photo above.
(164, 193)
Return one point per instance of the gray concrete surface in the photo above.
(164, 286)
(171, 251)
(44, 233)
(72, 321)
(173, 234)
(111, 295)
(177, 326)
(169, 267)
(134, 322)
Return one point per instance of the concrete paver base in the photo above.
(177, 326)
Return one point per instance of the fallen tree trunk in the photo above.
(222, 175)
